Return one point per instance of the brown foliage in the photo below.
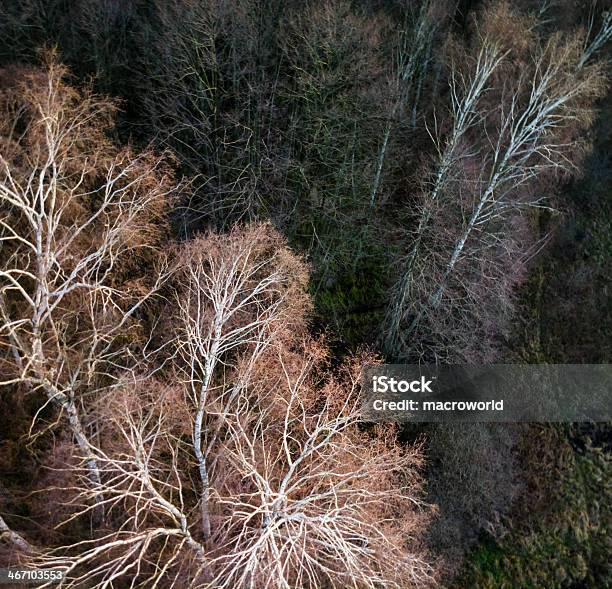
(215, 450)
(252, 469)
(81, 225)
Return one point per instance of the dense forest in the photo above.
(215, 213)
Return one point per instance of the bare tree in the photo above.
(303, 496)
(76, 213)
(236, 293)
(241, 310)
(143, 490)
(528, 129)
(593, 45)
(465, 92)
(526, 143)
(208, 98)
(320, 503)
(413, 61)
(291, 491)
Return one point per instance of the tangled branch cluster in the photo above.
(210, 444)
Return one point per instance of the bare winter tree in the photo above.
(251, 469)
(180, 425)
(528, 129)
(597, 42)
(148, 535)
(77, 218)
(465, 90)
(304, 498)
(526, 145)
(413, 60)
(238, 295)
(81, 218)
(319, 502)
(207, 96)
